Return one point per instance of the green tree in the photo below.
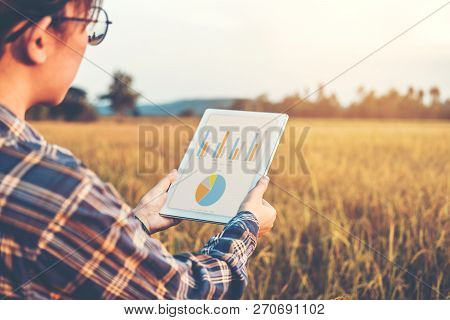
(38, 112)
(122, 97)
(75, 107)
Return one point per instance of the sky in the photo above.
(178, 49)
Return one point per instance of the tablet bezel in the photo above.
(280, 120)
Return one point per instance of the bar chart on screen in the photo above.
(228, 147)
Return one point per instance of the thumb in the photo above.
(259, 189)
(165, 182)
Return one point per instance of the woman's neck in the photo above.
(14, 95)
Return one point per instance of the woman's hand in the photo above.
(147, 211)
(261, 209)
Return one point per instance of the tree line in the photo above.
(369, 104)
(413, 104)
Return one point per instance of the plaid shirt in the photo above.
(65, 234)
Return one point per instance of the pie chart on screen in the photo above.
(210, 190)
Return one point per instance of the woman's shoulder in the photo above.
(48, 166)
(38, 153)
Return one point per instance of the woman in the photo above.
(63, 232)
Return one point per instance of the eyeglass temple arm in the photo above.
(80, 19)
(15, 35)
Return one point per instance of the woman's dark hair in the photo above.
(13, 12)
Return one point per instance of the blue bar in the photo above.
(234, 148)
(201, 146)
(251, 148)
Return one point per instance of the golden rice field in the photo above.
(373, 187)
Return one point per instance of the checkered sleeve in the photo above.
(95, 249)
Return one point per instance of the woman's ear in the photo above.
(38, 41)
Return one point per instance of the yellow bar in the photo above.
(235, 153)
(204, 149)
(223, 144)
(253, 152)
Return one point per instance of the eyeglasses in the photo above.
(96, 26)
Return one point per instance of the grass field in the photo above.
(381, 184)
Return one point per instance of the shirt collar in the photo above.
(10, 124)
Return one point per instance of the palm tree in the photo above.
(435, 96)
(420, 95)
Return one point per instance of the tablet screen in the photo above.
(228, 155)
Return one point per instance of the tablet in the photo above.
(229, 152)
